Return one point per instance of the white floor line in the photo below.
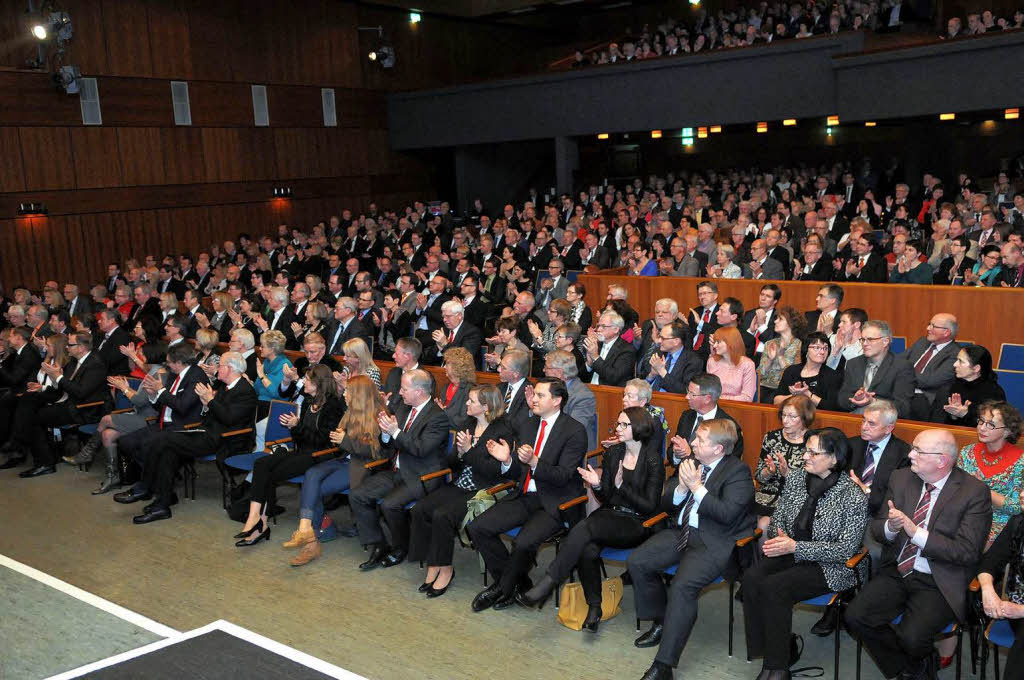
(90, 599)
(231, 629)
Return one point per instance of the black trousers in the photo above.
(387, 492)
(165, 456)
(23, 415)
(435, 524)
(886, 596)
(137, 445)
(525, 511)
(582, 548)
(697, 568)
(1014, 669)
(770, 589)
(47, 417)
(269, 471)
(8, 405)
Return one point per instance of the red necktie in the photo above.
(925, 358)
(536, 452)
(451, 337)
(408, 421)
(165, 409)
(905, 563)
(700, 336)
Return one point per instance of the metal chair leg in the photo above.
(835, 672)
(959, 651)
(859, 647)
(732, 619)
(995, 662)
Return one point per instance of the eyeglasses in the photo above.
(990, 424)
(919, 452)
(691, 395)
(941, 328)
(790, 416)
(621, 424)
(865, 340)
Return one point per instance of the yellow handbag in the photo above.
(573, 607)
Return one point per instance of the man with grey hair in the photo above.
(876, 373)
(230, 408)
(415, 437)
(15, 315)
(346, 326)
(513, 369)
(582, 404)
(455, 332)
(932, 357)
(611, 360)
(279, 316)
(555, 285)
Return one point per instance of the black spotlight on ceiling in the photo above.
(383, 53)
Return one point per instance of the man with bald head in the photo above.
(761, 265)
(932, 357)
(933, 527)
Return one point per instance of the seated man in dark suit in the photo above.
(347, 326)
(932, 357)
(455, 332)
(666, 310)
(826, 317)
(877, 373)
(709, 509)
(230, 408)
(702, 393)
(610, 359)
(108, 340)
(729, 315)
(416, 437)
(674, 364)
(542, 462)
(864, 265)
(702, 319)
(934, 525)
(18, 367)
(513, 369)
(407, 358)
(82, 381)
(314, 349)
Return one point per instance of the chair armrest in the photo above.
(434, 475)
(579, 500)
(500, 487)
(234, 433)
(377, 464)
(974, 586)
(596, 453)
(278, 441)
(654, 520)
(747, 539)
(192, 426)
(856, 559)
(324, 452)
(121, 410)
(91, 404)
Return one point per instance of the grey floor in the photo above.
(186, 572)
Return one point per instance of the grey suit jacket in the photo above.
(687, 267)
(771, 270)
(894, 380)
(939, 371)
(582, 406)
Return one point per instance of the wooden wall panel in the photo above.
(32, 99)
(127, 28)
(223, 153)
(907, 308)
(97, 162)
(25, 250)
(12, 172)
(142, 156)
(136, 101)
(345, 57)
(169, 39)
(210, 27)
(89, 45)
(221, 104)
(183, 155)
(46, 153)
(259, 153)
(351, 149)
(295, 106)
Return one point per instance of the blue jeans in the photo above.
(322, 480)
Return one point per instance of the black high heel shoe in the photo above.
(262, 536)
(434, 592)
(593, 619)
(424, 587)
(535, 597)
(250, 532)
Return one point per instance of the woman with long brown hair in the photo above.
(358, 440)
(310, 431)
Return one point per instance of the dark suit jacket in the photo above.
(468, 337)
(432, 313)
(184, 405)
(519, 412)
(230, 410)
(393, 383)
(172, 285)
(895, 456)
(874, 271)
(643, 491)
(689, 417)
(486, 469)
(456, 408)
(116, 363)
(815, 314)
(564, 446)
(422, 449)
(476, 312)
(820, 270)
(88, 385)
(725, 514)
(284, 324)
(769, 332)
(83, 310)
(683, 370)
(710, 327)
(894, 380)
(618, 367)
(939, 371)
(19, 369)
(355, 329)
(957, 531)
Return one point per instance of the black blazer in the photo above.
(562, 452)
(957, 533)
(820, 270)
(88, 385)
(116, 363)
(725, 514)
(618, 367)
(423, 447)
(19, 369)
(476, 312)
(313, 431)
(231, 409)
(875, 270)
(486, 469)
(456, 409)
(184, 405)
(644, 488)
(895, 456)
(683, 370)
(689, 417)
(519, 412)
(393, 383)
(355, 329)
(468, 336)
(815, 314)
(284, 324)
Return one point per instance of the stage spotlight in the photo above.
(414, 17)
(39, 31)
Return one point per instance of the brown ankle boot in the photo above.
(299, 539)
(309, 552)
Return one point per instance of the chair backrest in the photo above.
(899, 345)
(1011, 357)
(275, 430)
(1012, 383)
(122, 401)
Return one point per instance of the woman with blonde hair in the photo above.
(358, 361)
(315, 314)
(461, 373)
(358, 440)
(730, 363)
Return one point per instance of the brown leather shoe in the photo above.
(299, 539)
(309, 552)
